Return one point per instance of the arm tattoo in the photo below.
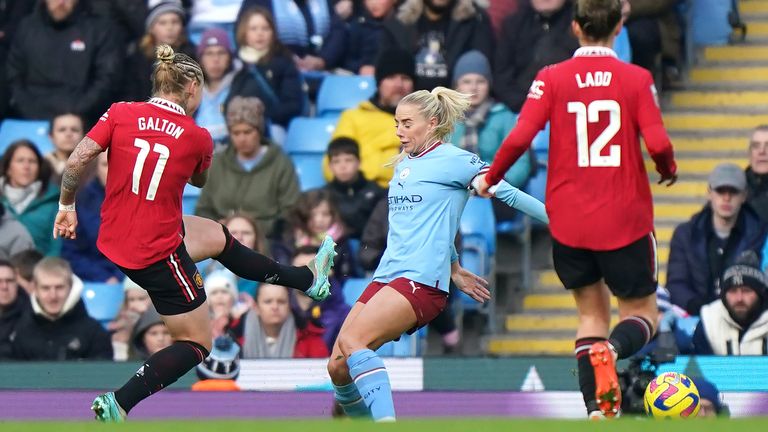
(84, 153)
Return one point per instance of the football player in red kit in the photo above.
(155, 148)
(598, 198)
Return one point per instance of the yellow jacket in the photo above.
(374, 131)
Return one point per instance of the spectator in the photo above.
(24, 263)
(737, 322)
(65, 131)
(219, 371)
(136, 302)
(88, 263)
(331, 312)
(28, 195)
(150, 335)
(59, 327)
(537, 35)
(370, 123)
(757, 172)
(711, 404)
(215, 54)
(252, 175)
(164, 25)
(14, 303)
(654, 33)
(268, 70)
(436, 33)
(62, 58)
(14, 238)
(498, 10)
(309, 28)
(269, 329)
(221, 289)
(11, 13)
(707, 244)
(487, 122)
(364, 35)
(374, 238)
(354, 194)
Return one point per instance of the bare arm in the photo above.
(199, 179)
(84, 153)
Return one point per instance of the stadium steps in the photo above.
(709, 123)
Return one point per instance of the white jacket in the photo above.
(723, 332)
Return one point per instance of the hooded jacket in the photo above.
(149, 318)
(355, 201)
(72, 335)
(38, 219)
(718, 334)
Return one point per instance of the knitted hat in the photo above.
(214, 36)
(223, 362)
(745, 272)
(395, 61)
(248, 110)
(221, 280)
(472, 62)
(159, 7)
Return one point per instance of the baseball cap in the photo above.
(728, 174)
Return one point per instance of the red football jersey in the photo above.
(154, 148)
(598, 193)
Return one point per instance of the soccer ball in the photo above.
(671, 395)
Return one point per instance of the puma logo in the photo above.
(413, 285)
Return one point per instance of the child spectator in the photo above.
(65, 130)
(356, 196)
(136, 302)
(221, 289)
(150, 335)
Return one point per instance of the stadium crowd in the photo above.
(66, 61)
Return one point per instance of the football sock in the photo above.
(586, 373)
(350, 400)
(370, 376)
(251, 265)
(160, 371)
(630, 335)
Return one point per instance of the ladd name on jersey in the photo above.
(596, 79)
(160, 125)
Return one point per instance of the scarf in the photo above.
(19, 198)
(251, 55)
(255, 341)
(472, 125)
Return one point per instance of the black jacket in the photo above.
(69, 65)
(355, 201)
(9, 319)
(528, 42)
(757, 190)
(74, 336)
(374, 237)
(11, 13)
(363, 43)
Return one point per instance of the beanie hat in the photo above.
(159, 7)
(221, 280)
(472, 62)
(745, 272)
(248, 110)
(212, 37)
(395, 61)
(223, 362)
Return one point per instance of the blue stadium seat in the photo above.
(189, 199)
(102, 301)
(340, 92)
(540, 146)
(353, 288)
(309, 135)
(406, 346)
(309, 169)
(537, 187)
(33, 130)
(478, 220)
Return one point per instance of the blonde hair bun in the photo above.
(165, 53)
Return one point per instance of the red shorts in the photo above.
(426, 301)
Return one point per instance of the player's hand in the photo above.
(471, 284)
(64, 225)
(481, 186)
(669, 180)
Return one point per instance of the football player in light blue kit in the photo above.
(427, 195)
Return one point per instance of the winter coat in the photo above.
(267, 192)
(690, 281)
(757, 193)
(310, 343)
(14, 237)
(529, 42)
(355, 202)
(469, 29)
(11, 13)
(9, 319)
(88, 263)
(73, 335)
(363, 43)
(718, 334)
(137, 83)
(38, 219)
(278, 85)
(70, 65)
(371, 126)
(498, 123)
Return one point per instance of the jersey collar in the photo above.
(429, 148)
(595, 51)
(167, 105)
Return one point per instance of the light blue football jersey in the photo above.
(427, 195)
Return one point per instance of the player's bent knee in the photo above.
(349, 343)
(338, 370)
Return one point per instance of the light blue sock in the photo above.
(372, 380)
(350, 400)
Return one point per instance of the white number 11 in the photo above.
(138, 168)
(589, 153)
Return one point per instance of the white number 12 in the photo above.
(138, 168)
(589, 153)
